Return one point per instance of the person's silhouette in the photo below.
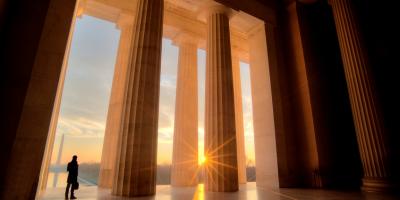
(72, 169)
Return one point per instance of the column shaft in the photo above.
(184, 160)
(237, 90)
(363, 97)
(115, 108)
(220, 134)
(33, 70)
(44, 171)
(135, 171)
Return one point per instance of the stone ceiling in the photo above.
(179, 16)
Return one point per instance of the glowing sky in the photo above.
(87, 89)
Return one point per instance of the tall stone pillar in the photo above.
(184, 158)
(33, 69)
(220, 135)
(44, 171)
(80, 9)
(135, 170)
(115, 108)
(367, 115)
(237, 90)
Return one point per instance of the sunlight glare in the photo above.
(202, 159)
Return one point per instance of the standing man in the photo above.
(72, 180)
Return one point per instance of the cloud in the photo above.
(165, 119)
(165, 135)
(169, 60)
(80, 126)
(168, 82)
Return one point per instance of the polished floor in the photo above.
(247, 192)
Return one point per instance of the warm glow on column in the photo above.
(202, 159)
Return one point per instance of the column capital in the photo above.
(81, 7)
(125, 19)
(211, 7)
(186, 37)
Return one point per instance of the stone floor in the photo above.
(247, 192)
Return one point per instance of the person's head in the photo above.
(74, 158)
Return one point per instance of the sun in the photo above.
(202, 160)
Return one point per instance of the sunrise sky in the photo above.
(87, 89)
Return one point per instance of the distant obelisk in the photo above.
(58, 162)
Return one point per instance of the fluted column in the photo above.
(114, 116)
(44, 171)
(363, 98)
(33, 69)
(184, 157)
(237, 90)
(135, 171)
(220, 135)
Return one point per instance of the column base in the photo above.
(378, 185)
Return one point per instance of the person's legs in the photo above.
(67, 190)
(72, 192)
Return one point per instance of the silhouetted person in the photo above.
(72, 169)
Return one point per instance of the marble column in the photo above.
(44, 171)
(237, 90)
(136, 167)
(367, 115)
(220, 135)
(114, 116)
(33, 69)
(185, 151)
